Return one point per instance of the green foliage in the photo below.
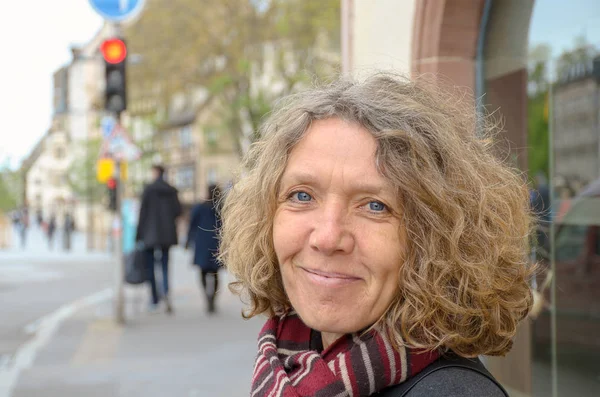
(8, 193)
(538, 78)
(224, 45)
(11, 187)
(538, 140)
(582, 52)
(82, 171)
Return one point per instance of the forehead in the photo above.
(333, 147)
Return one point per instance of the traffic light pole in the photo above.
(119, 298)
(114, 52)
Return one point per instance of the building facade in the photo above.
(78, 89)
(196, 154)
(47, 188)
(576, 112)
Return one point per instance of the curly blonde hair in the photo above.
(464, 279)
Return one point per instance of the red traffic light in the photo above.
(111, 183)
(113, 50)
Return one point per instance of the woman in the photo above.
(203, 234)
(383, 239)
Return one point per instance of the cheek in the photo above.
(286, 235)
(385, 248)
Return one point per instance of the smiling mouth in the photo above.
(329, 279)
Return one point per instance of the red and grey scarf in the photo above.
(355, 365)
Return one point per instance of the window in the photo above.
(211, 136)
(184, 177)
(59, 153)
(185, 136)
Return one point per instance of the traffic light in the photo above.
(113, 186)
(114, 52)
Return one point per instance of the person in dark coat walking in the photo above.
(203, 235)
(68, 227)
(51, 230)
(157, 229)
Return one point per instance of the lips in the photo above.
(329, 279)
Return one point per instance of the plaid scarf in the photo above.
(355, 365)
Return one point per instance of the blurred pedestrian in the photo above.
(23, 225)
(203, 234)
(157, 230)
(68, 227)
(50, 231)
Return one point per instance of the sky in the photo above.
(37, 35)
(558, 22)
(36, 38)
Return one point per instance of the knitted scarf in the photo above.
(355, 365)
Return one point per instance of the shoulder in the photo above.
(149, 188)
(456, 382)
(204, 206)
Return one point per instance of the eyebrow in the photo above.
(303, 177)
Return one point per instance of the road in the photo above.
(77, 349)
(36, 281)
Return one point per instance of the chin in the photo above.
(333, 319)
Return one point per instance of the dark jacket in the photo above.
(203, 234)
(159, 210)
(450, 376)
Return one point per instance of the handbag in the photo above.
(135, 266)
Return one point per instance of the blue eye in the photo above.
(302, 196)
(376, 206)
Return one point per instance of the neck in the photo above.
(329, 338)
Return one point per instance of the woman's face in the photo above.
(336, 231)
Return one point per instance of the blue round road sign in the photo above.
(117, 10)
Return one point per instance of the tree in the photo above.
(228, 47)
(582, 53)
(537, 68)
(537, 121)
(10, 187)
(538, 137)
(82, 171)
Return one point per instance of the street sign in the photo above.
(117, 10)
(107, 125)
(119, 146)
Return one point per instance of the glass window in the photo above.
(564, 162)
(185, 136)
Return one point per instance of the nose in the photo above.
(332, 232)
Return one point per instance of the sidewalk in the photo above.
(187, 354)
(37, 247)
